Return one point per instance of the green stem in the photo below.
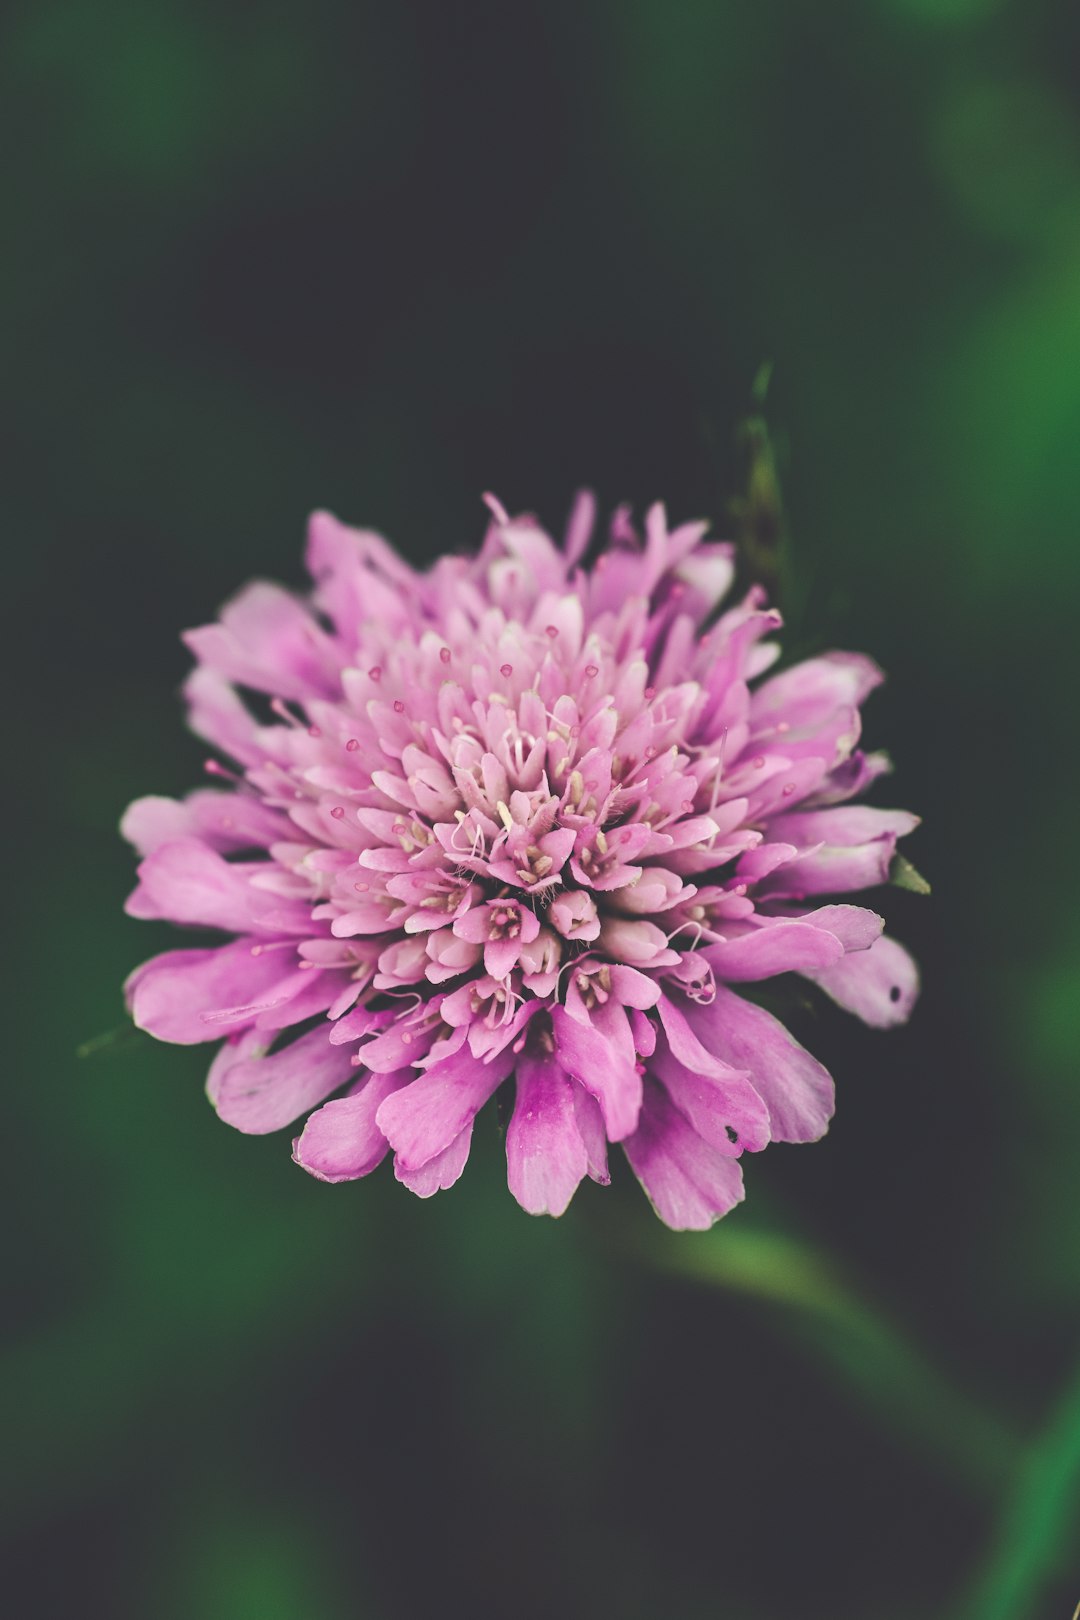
(862, 1346)
(1039, 1523)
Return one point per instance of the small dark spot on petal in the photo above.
(895, 993)
(732, 1133)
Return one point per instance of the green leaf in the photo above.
(905, 876)
(126, 1035)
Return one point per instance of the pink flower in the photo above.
(519, 819)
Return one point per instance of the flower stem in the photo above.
(1039, 1522)
(862, 1345)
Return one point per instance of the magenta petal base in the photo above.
(519, 821)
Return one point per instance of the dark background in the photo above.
(380, 258)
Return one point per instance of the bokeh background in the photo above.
(381, 257)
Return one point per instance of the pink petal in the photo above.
(218, 715)
(880, 985)
(424, 1118)
(311, 993)
(642, 1033)
(356, 1023)
(833, 871)
(602, 1069)
(850, 777)
(720, 1102)
(689, 1184)
(474, 925)
(579, 526)
(844, 827)
(633, 989)
(856, 927)
(399, 1047)
(341, 1140)
(808, 694)
(262, 1094)
(796, 1089)
(226, 822)
(844, 849)
(244, 1044)
(356, 573)
(200, 995)
(545, 1155)
(152, 821)
(500, 956)
(590, 1123)
(776, 946)
(189, 883)
(268, 640)
(635, 942)
(759, 863)
(439, 1172)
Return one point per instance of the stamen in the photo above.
(212, 768)
(283, 713)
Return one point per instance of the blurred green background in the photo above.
(381, 257)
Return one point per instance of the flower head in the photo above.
(517, 820)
